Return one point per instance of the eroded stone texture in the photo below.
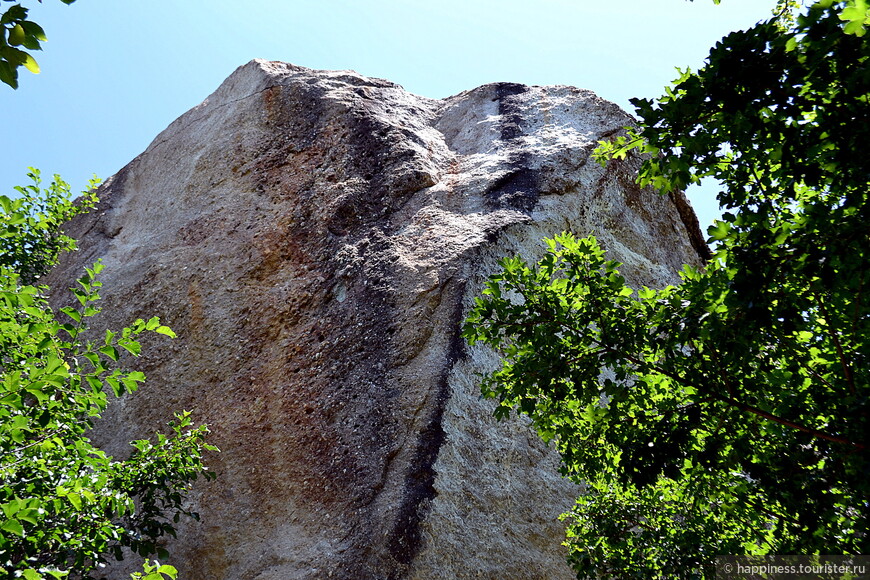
(315, 239)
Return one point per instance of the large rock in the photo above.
(315, 239)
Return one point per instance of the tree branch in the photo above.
(742, 406)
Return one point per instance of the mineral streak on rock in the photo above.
(315, 239)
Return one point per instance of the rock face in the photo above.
(315, 239)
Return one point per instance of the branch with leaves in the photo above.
(18, 35)
(65, 506)
(727, 414)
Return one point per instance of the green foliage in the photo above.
(698, 428)
(17, 36)
(856, 15)
(30, 225)
(772, 110)
(728, 414)
(156, 572)
(66, 505)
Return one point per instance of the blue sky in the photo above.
(116, 72)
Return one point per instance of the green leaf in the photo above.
(29, 515)
(109, 351)
(131, 346)
(76, 500)
(14, 13)
(34, 30)
(11, 508)
(166, 331)
(13, 527)
(137, 376)
(8, 75)
(856, 17)
(16, 35)
(6, 204)
(72, 313)
(37, 390)
(115, 385)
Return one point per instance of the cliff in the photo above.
(315, 238)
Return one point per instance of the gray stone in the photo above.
(315, 238)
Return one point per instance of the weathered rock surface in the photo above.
(315, 239)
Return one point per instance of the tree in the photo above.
(17, 31)
(32, 238)
(67, 507)
(728, 414)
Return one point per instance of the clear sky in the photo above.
(116, 72)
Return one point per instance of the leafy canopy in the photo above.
(727, 414)
(65, 506)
